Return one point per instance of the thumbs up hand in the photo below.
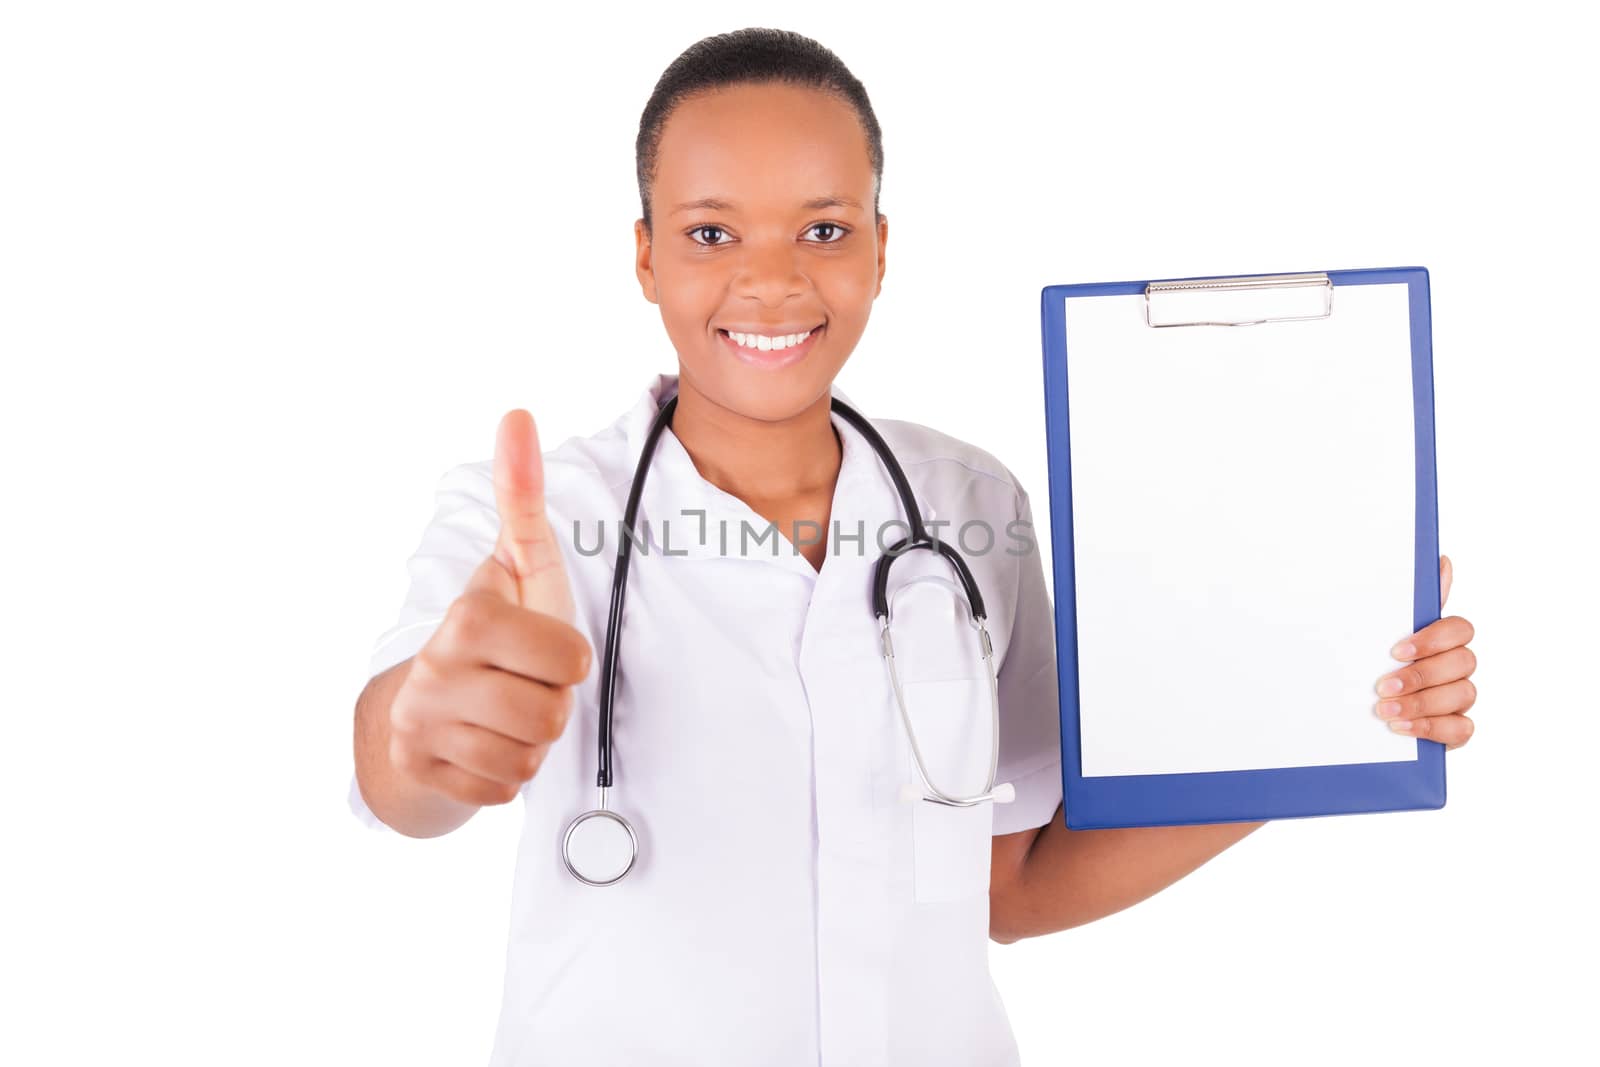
(526, 566)
(494, 686)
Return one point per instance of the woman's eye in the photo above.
(835, 227)
(702, 229)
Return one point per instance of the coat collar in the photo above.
(865, 492)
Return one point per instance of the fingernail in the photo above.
(1389, 686)
(1404, 650)
(1388, 709)
(1400, 726)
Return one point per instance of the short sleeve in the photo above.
(458, 538)
(1030, 709)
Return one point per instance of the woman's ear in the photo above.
(641, 262)
(883, 241)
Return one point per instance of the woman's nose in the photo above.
(770, 270)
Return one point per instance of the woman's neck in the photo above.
(756, 460)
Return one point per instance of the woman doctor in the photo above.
(787, 904)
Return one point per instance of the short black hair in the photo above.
(753, 56)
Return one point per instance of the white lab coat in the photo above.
(786, 906)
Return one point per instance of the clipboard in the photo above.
(1244, 514)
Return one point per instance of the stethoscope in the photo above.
(600, 845)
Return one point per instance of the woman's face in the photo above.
(765, 255)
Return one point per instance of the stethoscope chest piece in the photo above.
(599, 847)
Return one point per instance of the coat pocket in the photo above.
(951, 845)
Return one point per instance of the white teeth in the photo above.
(763, 343)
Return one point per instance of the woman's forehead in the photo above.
(762, 142)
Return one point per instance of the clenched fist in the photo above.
(494, 685)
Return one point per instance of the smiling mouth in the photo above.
(810, 335)
(773, 357)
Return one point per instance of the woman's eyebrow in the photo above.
(712, 203)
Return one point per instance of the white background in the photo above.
(266, 270)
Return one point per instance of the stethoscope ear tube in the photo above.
(999, 794)
(1004, 793)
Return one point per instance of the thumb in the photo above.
(1447, 572)
(527, 546)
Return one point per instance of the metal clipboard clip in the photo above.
(1293, 293)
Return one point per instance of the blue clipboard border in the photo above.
(1237, 796)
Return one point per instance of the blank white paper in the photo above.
(1243, 520)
